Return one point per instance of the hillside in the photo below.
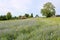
(31, 29)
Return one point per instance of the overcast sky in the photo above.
(20, 7)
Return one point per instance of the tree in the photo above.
(14, 17)
(8, 16)
(3, 17)
(48, 9)
(36, 16)
(27, 15)
(20, 17)
(31, 14)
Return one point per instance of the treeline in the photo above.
(8, 16)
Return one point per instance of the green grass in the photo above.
(31, 29)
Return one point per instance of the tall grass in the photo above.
(30, 29)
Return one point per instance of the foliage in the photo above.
(31, 14)
(15, 17)
(29, 29)
(48, 9)
(36, 16)
(20, 17)
(27, 15)
(3, 17)
(8, 16)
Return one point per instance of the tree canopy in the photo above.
(8, 16)
(48, 9)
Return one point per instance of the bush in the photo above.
(3, 17)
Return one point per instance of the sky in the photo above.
(20, 7)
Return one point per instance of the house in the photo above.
(23, 17)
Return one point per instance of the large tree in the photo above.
(48, 9)
(8, 16)
(26, 15)
(31, 14)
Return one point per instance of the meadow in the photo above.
(30, 29)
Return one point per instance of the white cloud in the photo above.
(20, 4)
(17, 6)
(13, 5)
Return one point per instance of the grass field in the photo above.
(31, 29)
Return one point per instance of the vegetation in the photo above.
(31, 14)
(8, 16)
(27, 15)
(36, 16)
(3, 17)
(48, 9)
(30, 29)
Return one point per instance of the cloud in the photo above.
(20, 4)
(17, 7)
(14, 5)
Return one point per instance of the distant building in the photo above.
(23, 17)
